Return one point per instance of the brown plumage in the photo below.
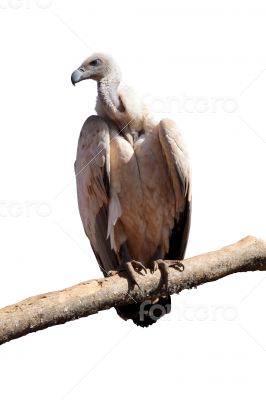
(133, 183)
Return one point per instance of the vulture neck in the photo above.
(112, 105)
(107, 93)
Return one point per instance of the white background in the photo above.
(201, 63)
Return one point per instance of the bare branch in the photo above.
(54, 308)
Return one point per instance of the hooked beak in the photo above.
(78, 75)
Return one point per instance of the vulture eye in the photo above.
(96, 62)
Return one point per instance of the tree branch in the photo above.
(54, 308)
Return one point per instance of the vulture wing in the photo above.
(92, 168)
(179, 170)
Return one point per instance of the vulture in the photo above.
(133, 186)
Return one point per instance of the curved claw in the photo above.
(177, 265)
(138, 266)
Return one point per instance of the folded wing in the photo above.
(178, 164)
(92, 168)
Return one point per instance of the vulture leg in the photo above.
(131, 267)
(164, 266)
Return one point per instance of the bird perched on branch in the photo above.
(133, 186)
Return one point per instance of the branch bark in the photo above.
(86, 298)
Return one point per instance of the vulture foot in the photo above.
(132, 269)
(163, 266)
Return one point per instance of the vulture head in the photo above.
(99, 67)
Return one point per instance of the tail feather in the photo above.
(146, 313)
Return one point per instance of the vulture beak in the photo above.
(78, 75)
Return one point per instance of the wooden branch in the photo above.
(54, 308)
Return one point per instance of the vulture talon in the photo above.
(163, 266)
(177, 265)
(138, 266)
(132, 269)
(153, 267)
